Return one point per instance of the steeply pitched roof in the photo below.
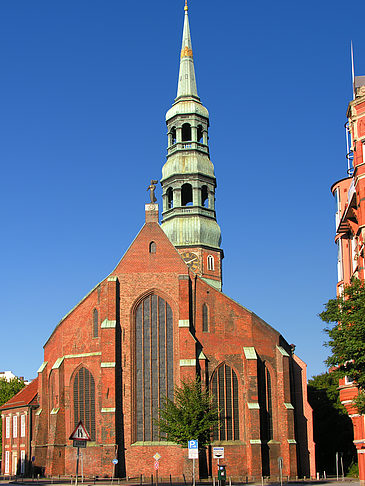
(24, 397)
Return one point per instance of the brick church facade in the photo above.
(161, 317)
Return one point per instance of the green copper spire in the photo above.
(188, 180)
(187, 82)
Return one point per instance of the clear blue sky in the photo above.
(84, 88)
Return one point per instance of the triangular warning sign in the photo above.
(80, 433)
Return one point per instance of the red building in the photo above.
(161, 317)
(18, 416)
(350, 238)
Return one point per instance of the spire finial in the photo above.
(186, 6)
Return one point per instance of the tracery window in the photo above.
(224, 387)
(84, 400)
(154, 364)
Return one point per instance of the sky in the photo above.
(84, 88)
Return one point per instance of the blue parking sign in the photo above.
(193, 444)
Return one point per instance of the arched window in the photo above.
(186, 132)
(154, 378)
(186, 195)
(152, 247)
(173, 135)
(225, 391)
(95, 323)
(200, 133)
(170, 198)
(210, 262)
(265, 401)
(268, 405)
(204, 193)
(205, 318)
(84, 400)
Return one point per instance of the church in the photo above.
(158, 318)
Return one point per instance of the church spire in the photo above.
(187, 83)
(188, 180)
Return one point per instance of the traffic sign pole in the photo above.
(77, 465)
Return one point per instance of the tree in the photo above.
(347, 335)
(7, 390)
(191, 415)
(323, 396)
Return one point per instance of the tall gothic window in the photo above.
(268, 405)
(154, 363)
(95, 323)
(84, 400)
(205, 318)
(225, 391)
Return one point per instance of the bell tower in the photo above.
(188, 180)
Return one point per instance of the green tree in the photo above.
(346, 316)
(7, 390)
(332, 427)
(191, 415)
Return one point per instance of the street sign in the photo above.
(115, 462)
(193, 447)
(193, 444)
(218, 452)
(80, 433)
(157, 456)
(157, 465)
(79, 443)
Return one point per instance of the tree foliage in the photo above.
(7, 390)
(191, 415)
(346, 316)
(332, 428)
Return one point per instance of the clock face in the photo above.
(191, 260)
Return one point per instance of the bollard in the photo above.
(213, 481)
(230, 481)
(170, 480)
(151, 479)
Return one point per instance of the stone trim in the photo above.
(253, 405)
(43, 365)
(106, 410)
(255, 441)
(202, 355)
(38, 412)
(58, 363)
(184, 323)
(107, 365)
(250, 352)
(292, 441)
(288, 406)
(155, 443)
(82, 355)
(106, 324)
(112, 279)
(282, 351)
(55, 411)
(188, 362)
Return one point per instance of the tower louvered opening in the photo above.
(84, 400)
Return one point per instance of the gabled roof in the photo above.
(23, 398)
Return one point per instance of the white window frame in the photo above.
(22, 425)
(348, 380)
(7, 462)
(353, 253)
(210, 262)
(7, 427)
(363, 151)
(15, 426)
(339, 261)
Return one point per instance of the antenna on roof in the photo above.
(352, 70)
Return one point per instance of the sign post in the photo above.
(79, 437)
(156, 465)
(280, 465)
(193, 447)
